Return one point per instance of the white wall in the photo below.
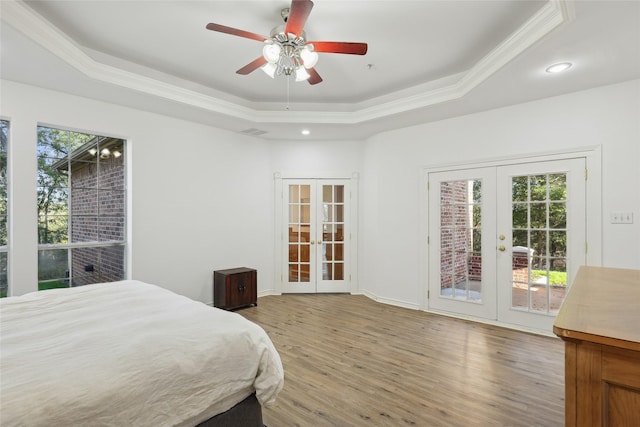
(390, 198)
(308, 158)
(202, 197)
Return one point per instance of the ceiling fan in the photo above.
(286, 51)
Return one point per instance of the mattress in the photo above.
(127, 353)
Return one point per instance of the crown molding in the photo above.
(553, 14)
(17, 14)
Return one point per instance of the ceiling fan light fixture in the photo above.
(308, 56)
(270, 69)
(302, 74)
(271, 52)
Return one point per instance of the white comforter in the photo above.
(127, 354)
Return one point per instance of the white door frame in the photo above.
(279, 238)
(593, 213)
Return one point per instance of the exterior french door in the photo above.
(316, 236)
(541, 238)
(462, 265)
(505, 242)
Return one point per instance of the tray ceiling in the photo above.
(427, 60)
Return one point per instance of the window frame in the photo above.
(83, 154)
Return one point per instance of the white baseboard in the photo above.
(494, 323)
(268, 292)
(389, 301)
(412, 306)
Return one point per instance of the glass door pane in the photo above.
(539, 238)
(299, 228)
(460, 239)
(332, 232)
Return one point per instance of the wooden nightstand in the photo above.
(235, 288)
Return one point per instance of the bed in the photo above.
(131, 353)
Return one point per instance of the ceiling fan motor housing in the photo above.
(291, 46)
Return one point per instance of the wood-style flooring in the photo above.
(350, 361)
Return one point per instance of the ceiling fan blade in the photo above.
(340, 47)
(235, 32)
(315, 77)
(252, 66)
(298, 14)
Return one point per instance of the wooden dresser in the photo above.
(600, 324)
(235, 287)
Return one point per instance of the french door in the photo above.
(316, 236)
(462, 269)
(506, 241)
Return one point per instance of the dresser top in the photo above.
(602, 306)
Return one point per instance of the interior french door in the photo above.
(506, 241)
(316, 236)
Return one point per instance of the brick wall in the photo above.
(455, 232)
(521, 262)
(457, 259)
(98, 214)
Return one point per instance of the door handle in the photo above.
(501, 248)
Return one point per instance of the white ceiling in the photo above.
(427, 60)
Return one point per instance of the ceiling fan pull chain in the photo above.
(288, 89)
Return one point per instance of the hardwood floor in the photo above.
(350, 361)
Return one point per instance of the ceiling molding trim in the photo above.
(34, 26)
(549, 17)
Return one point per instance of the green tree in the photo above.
(539, 216)
(54, 148)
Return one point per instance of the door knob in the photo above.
(319, 242)
(501, 248)
(312, 242)
(501, 237)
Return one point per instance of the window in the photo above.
(4, 142)
(81, 208)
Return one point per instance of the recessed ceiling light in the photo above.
(306, 132)
(559, 67)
